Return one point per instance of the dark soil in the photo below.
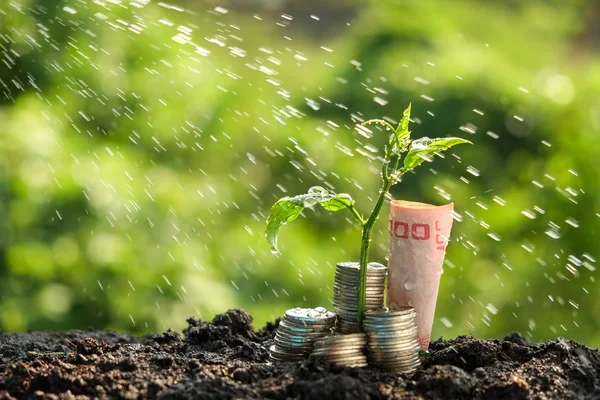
(226, 359)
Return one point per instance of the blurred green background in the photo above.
(142, 144)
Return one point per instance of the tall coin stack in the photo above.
(343, 350)
(297, 331)
(392, 339)
(345, 293)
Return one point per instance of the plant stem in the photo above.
(386, 184)
(358, 217)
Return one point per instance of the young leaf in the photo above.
(402, 130)
(289, 208)
(425, 148)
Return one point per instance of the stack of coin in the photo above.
(392, 339)
(343, 350)
(345, 293)
(297, 331)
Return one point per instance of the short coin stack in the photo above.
(392, 339)
(343, 350)
(345, 293)
(297, 331)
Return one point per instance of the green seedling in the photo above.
(402, 154)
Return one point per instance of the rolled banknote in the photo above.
(419, 234)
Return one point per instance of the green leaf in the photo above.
(402, 130)
(425, 148)
(289, 208)
(339, 202)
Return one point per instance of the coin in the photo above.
(305, 328)
(344, 350)
(309, 316)
(297, 331)
(390, 331)
(392, 340)
(346, 293)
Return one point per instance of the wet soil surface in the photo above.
(226, 359)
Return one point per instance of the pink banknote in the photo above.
(419, 234)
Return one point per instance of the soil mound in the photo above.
(226, 359)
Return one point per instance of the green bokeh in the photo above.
(142, 145)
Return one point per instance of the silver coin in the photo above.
(342, 357)
(339, 288)
(392, 335)
(392, 345)
(399, 311)
(345, 309)
(402, 330)
(376, 324)
(389, 345)
(376, 315)
(352, 364)
(304, 342)
(354, 279)
(309, 316)
(306, 328)
(338, 353)
(353, 300)
(399, 352)
(346, 344)
(354, 291)
(355, 273)
(355, 265)
(345, 302)
(390, 321)
(360, 337)
(354, 297)
(285, 341)
(299, 330)
(355, 347)
(281, 354)
(333, 346)
(354, 284)
(376, 272)
(293, 336)
(352, 306)
(340, 345)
